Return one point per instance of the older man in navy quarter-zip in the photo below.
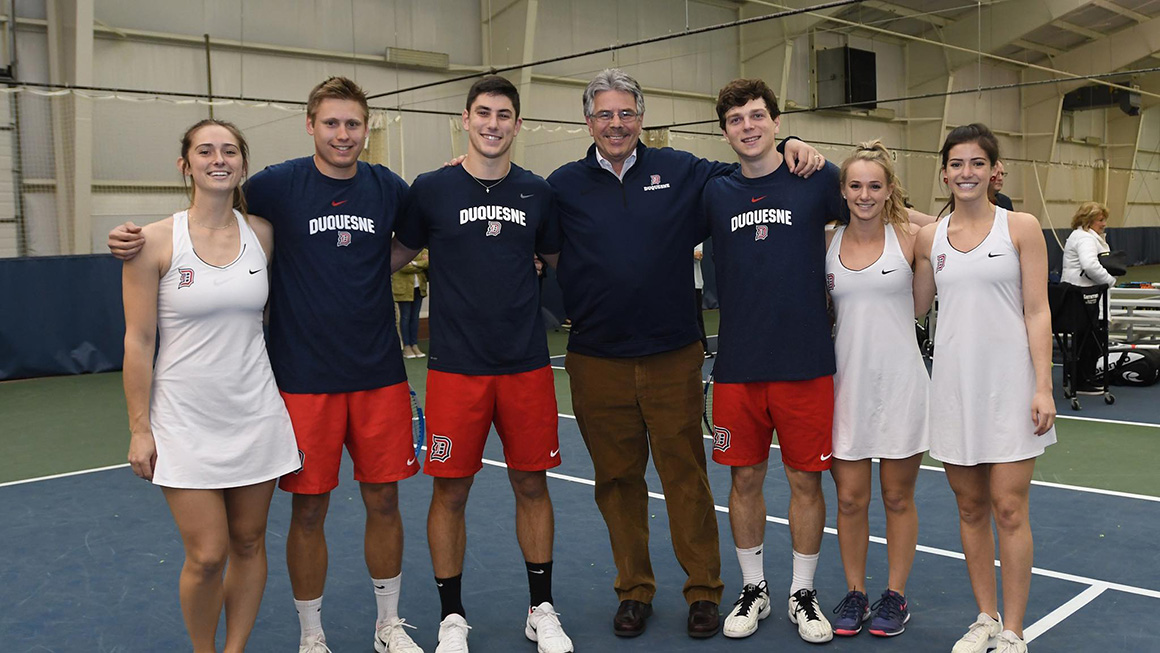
(629, 215)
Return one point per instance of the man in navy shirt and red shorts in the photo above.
(334, 348)
(484, 222)
(775, 358)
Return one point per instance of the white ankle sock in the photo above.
(752, 565)
(387, 597)
(804, 567)
(309, 616)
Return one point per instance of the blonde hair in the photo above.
(336, 88)
(239, 197)
(875, 152)
(1087, 214)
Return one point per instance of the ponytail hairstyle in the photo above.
(875, 152)
(975, 132)
(187, 143)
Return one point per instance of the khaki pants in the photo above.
(625, 407)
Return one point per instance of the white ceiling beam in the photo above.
(1123, 11)
(1037, 47)
(906, 12)
(1077, 29)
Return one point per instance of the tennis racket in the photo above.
(707, 413)
(418, 425)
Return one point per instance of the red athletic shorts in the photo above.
(461, 409)
(375, 426)
(745, 416)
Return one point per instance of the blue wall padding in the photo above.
(60, 315)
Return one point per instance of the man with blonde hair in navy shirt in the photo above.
(629, 215)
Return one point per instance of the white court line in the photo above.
(1058, 486)
(945, 553)
(66, 474)
(1107, 421)
(1053, 618)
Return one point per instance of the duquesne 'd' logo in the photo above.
(761, 232)
(654, 183)
(493, 228)
(343, 239)
(440, 448)
(184, 277)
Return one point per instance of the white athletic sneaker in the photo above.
(453, 634)
(390, 637)
(314, 644)
(980, 635)
(1009, 642)
(543, 627)
(807, 614)
(751, 607)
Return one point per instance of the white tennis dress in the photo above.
(216, 414)
(983, 380)
(881, 387)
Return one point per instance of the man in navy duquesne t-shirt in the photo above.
(775, 361)
(484, 222)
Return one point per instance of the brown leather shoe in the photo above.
(630, 618)
(704, 619)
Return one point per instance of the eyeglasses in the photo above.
(626, 115)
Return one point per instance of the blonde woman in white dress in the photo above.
(881, 386)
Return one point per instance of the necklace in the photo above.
(487, 187)
(206, 226)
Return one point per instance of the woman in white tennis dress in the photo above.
(992, 412)
(881, 386)
(206, 419)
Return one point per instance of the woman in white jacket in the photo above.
(1081, 267)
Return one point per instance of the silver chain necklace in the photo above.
(487, 188)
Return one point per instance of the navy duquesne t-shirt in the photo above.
(485, 295)
(332, 316)
(769, 252)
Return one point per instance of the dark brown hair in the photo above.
(494, 85)
(739, 92)
(975, 132)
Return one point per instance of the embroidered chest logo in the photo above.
(343, 239)
(440, 449)
(761, 232)
(493, 228)
(654, 183)
(830, 281)
(184, 277)
(940, 262)
(721, 438)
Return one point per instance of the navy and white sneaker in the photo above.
(890, 615)
(852, 611)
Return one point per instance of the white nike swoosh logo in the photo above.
(827, 456)
(410, 462)
(554, 452)
(536, 571)
(524, 197)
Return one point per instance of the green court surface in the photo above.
(64, 424)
